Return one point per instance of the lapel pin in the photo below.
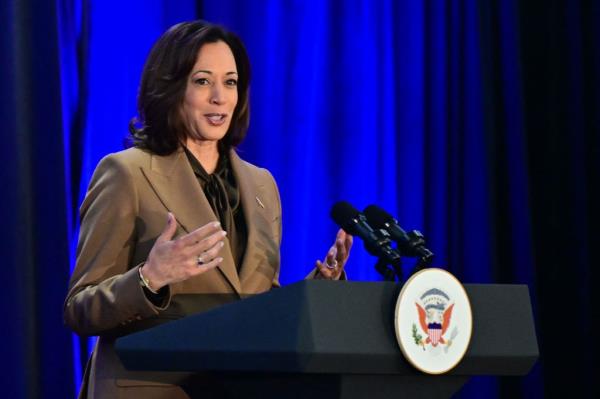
(260, 202)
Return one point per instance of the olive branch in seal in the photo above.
(417, 337)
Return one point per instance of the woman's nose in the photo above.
(217, 95)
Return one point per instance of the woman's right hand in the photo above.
(171, 261)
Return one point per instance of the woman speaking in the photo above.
(179, 212)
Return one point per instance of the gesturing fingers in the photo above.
(206, 266)
(331, 258)
(200, 234)
(176, 260)
(348, 243)
(343, 244)
(329, 268)
(208, 243)
(169, 230)
(341, 251)
(197, 258)
(325, 271)
(208, 255)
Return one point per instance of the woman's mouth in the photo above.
(215, 119)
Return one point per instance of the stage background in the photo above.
(475, 122)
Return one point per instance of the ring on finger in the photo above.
(200, 260)
(333, 265)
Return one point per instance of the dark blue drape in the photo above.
(475, 122)
(35, 348)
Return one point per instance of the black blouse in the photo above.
(223, 195)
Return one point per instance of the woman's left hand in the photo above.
(337, 256)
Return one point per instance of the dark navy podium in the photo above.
(327, 339)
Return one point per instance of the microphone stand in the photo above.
(391, 270)
(388, 271)
(389, 263)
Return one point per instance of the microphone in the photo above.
(410, 244)
(377, 242)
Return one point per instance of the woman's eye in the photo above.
(201, 81)
(231, 82)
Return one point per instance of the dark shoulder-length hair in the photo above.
(160, 127)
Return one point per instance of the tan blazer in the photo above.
(125, 209)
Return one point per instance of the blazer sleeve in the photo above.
(105, 294)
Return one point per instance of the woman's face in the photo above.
(211, 93)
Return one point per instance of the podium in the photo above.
(328, 339)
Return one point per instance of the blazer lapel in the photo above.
(251, 192)
(174, 182)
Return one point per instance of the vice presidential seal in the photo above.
(433, 321)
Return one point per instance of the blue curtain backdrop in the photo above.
(475, 122)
